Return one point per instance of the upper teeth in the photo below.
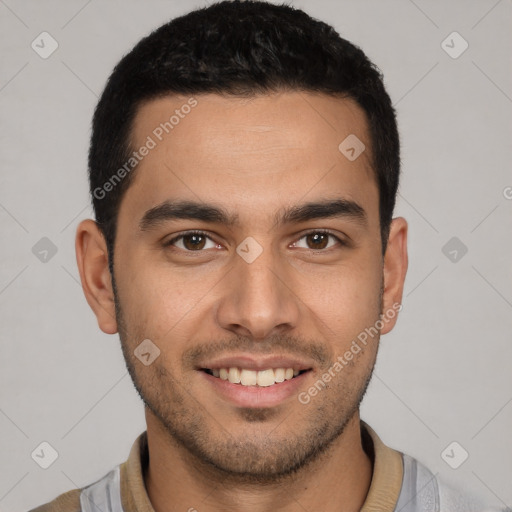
(253, 378)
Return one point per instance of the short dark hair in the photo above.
(239, 48)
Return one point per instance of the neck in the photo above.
(337, 481)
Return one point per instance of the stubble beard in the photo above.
(243, 457)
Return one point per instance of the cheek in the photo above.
(163, 301)
(345, 301)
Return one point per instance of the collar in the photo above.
(382, 496)
(387, 474)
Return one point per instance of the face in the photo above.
(248, 240)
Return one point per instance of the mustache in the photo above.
(274, 345)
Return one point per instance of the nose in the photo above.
(258, 300)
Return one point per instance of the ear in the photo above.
(395, 268)
(92, 260)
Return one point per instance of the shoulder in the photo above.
(457, 500)
(67, 502)
(423, 491)
(107, 489)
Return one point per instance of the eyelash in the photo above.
(202, 233)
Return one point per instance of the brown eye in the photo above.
(319, 240)
(191, 242)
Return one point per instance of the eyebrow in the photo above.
(172, 210)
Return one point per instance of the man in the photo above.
(244, 163)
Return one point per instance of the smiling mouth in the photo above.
(262, 378)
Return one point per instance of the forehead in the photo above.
(259, 151)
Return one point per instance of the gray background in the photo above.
(442, 375)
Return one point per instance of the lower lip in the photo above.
(256, 396)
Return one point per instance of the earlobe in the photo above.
(395, 269)
(92, 260)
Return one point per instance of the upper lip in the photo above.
(256, 363)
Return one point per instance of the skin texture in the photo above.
(199, 299)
